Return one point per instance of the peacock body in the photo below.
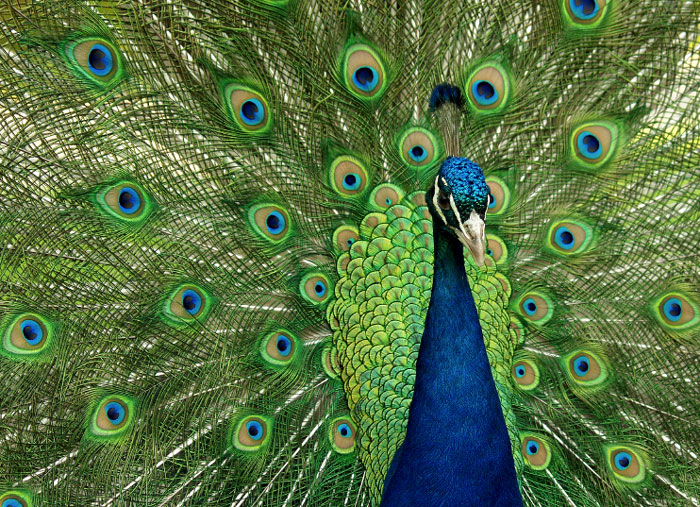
(222, 234)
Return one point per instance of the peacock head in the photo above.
(459, 199)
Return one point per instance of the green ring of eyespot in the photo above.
(584, 24)
(207, 303)
(68, 53)
(606, 154)
(641, 462)
(97, 433)
(321, 296)
(12, 351)
(19, 495)
(434, 146)
(506, 92)
(227, 89)
(264, 439)
(350, 50)
(104, 200)
(346, 445)
(550, 239)
(656, 308)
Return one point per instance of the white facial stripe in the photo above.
(436, 191)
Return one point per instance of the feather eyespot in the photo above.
(112, 416)
(585, 368)
(569, 237)
(270, 222)
(342, 435)
(535, 451)
(364, 72)
(585, 12)
(499, 195)
(625, 463)
(419, 148)
(536, 307)
(126, 200)
(279, 348)
(248, 108)
(497, 249)
(27, 336)
(252, 433)
(385, 195)
(594, 144)
(488, 88)
(348, 176)
(95, 59)
(15, 498)
(344, 237)
(676, 311)
(315, 288)
(526, 374)
(188, 302)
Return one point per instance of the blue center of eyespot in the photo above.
(32, 332)
(584, 9)
(11, 502)
(532, 447)
(520, 371)
(530, 306)
(350, 242)
(673, 309)
(351, 181)
(275, 222)
(387, 201)
(320, 289)
(254, 429)
(484, 93)
(115, 412)
(100, 61)
(191, 301)
(581, 366)
(564, 238)
(365, 78)
(129, 201)
(589, 145)
(418, 153)
(622, 460)
(252, 112)
(489, 251)
(284, 345)
(344, 430)
(492, 201)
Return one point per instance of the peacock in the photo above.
(358, 252)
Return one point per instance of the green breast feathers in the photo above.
(378, 316)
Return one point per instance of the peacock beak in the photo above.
(472, 234)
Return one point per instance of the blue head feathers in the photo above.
(459, 199)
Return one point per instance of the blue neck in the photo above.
(457, 450)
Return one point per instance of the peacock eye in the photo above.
(342, 435)
(126, 201)
(252, 433)
(488, 88)
(419, 148)
(536, 451)
(364, 71)
(95, 59)
(15, 499)
(585, 12)
(111, 417)
(27, 336)
(444, 201)
(626, 464)
(248, 108)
